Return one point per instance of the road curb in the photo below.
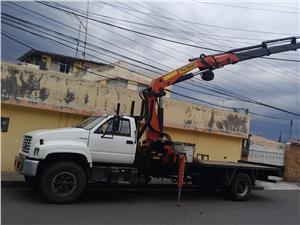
(13, 184)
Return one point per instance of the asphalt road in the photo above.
(24, 206)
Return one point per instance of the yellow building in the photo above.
(37, 99)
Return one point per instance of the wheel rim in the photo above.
(64, 183)
(242, 188)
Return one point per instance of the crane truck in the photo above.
(108, 149)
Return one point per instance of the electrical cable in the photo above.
(22, 43)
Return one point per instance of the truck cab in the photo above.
(106, 138)
(98, 140)
(112, 139)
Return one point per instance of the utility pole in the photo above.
(291, 130)
(279, 139)
(79, 33)
(85, 38)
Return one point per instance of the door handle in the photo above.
(129, 142)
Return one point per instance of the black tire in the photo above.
(31, 182)
(62, 182)
(240, 188)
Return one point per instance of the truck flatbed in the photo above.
(239, 165)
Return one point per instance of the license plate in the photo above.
(18, 163)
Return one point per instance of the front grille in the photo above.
(26, 143)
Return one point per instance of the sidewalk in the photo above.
(12, 179)
(279, 185)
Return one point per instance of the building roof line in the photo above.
(33, 52)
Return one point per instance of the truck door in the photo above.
(114, 142)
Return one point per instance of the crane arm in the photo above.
(205, 64)
(233, 56)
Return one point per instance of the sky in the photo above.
(219, 25)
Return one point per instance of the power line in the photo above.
(159, 27)
(250, 8)
(270, 117)
(102, 59)
(22, 43)
(199, 100)
(285, 78)
(90, 35)
(8, 36)
(149, 35)
(131, 30)
(22, 28)
(203, 24)
(259, 103)
(168, 12)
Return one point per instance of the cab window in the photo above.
(123, 128)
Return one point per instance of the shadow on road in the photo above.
(98, 195)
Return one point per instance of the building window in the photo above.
(43, 64)
(64, 68)
(4, 124)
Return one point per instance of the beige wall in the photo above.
(218, 147)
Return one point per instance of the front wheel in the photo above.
(240, 188)
(62, 182)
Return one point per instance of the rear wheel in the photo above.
(62, 182)
(240, 188)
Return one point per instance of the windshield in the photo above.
(90, 122)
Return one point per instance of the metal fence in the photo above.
(266, 151)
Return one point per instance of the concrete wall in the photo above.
(35, 99)
(217, 147)
(266, 151)
(292, 163)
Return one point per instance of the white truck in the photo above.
(60, 162)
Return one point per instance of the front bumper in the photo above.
(27, 167)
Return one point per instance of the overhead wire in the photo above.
(292, 81)
(202, 24)
(231, 71)
(262, 104)
(91, 49)
(258, 83)
(101, 75)
(221, 42)
(93, 36)
(146, 34)
(209, 103)
(248, 8)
